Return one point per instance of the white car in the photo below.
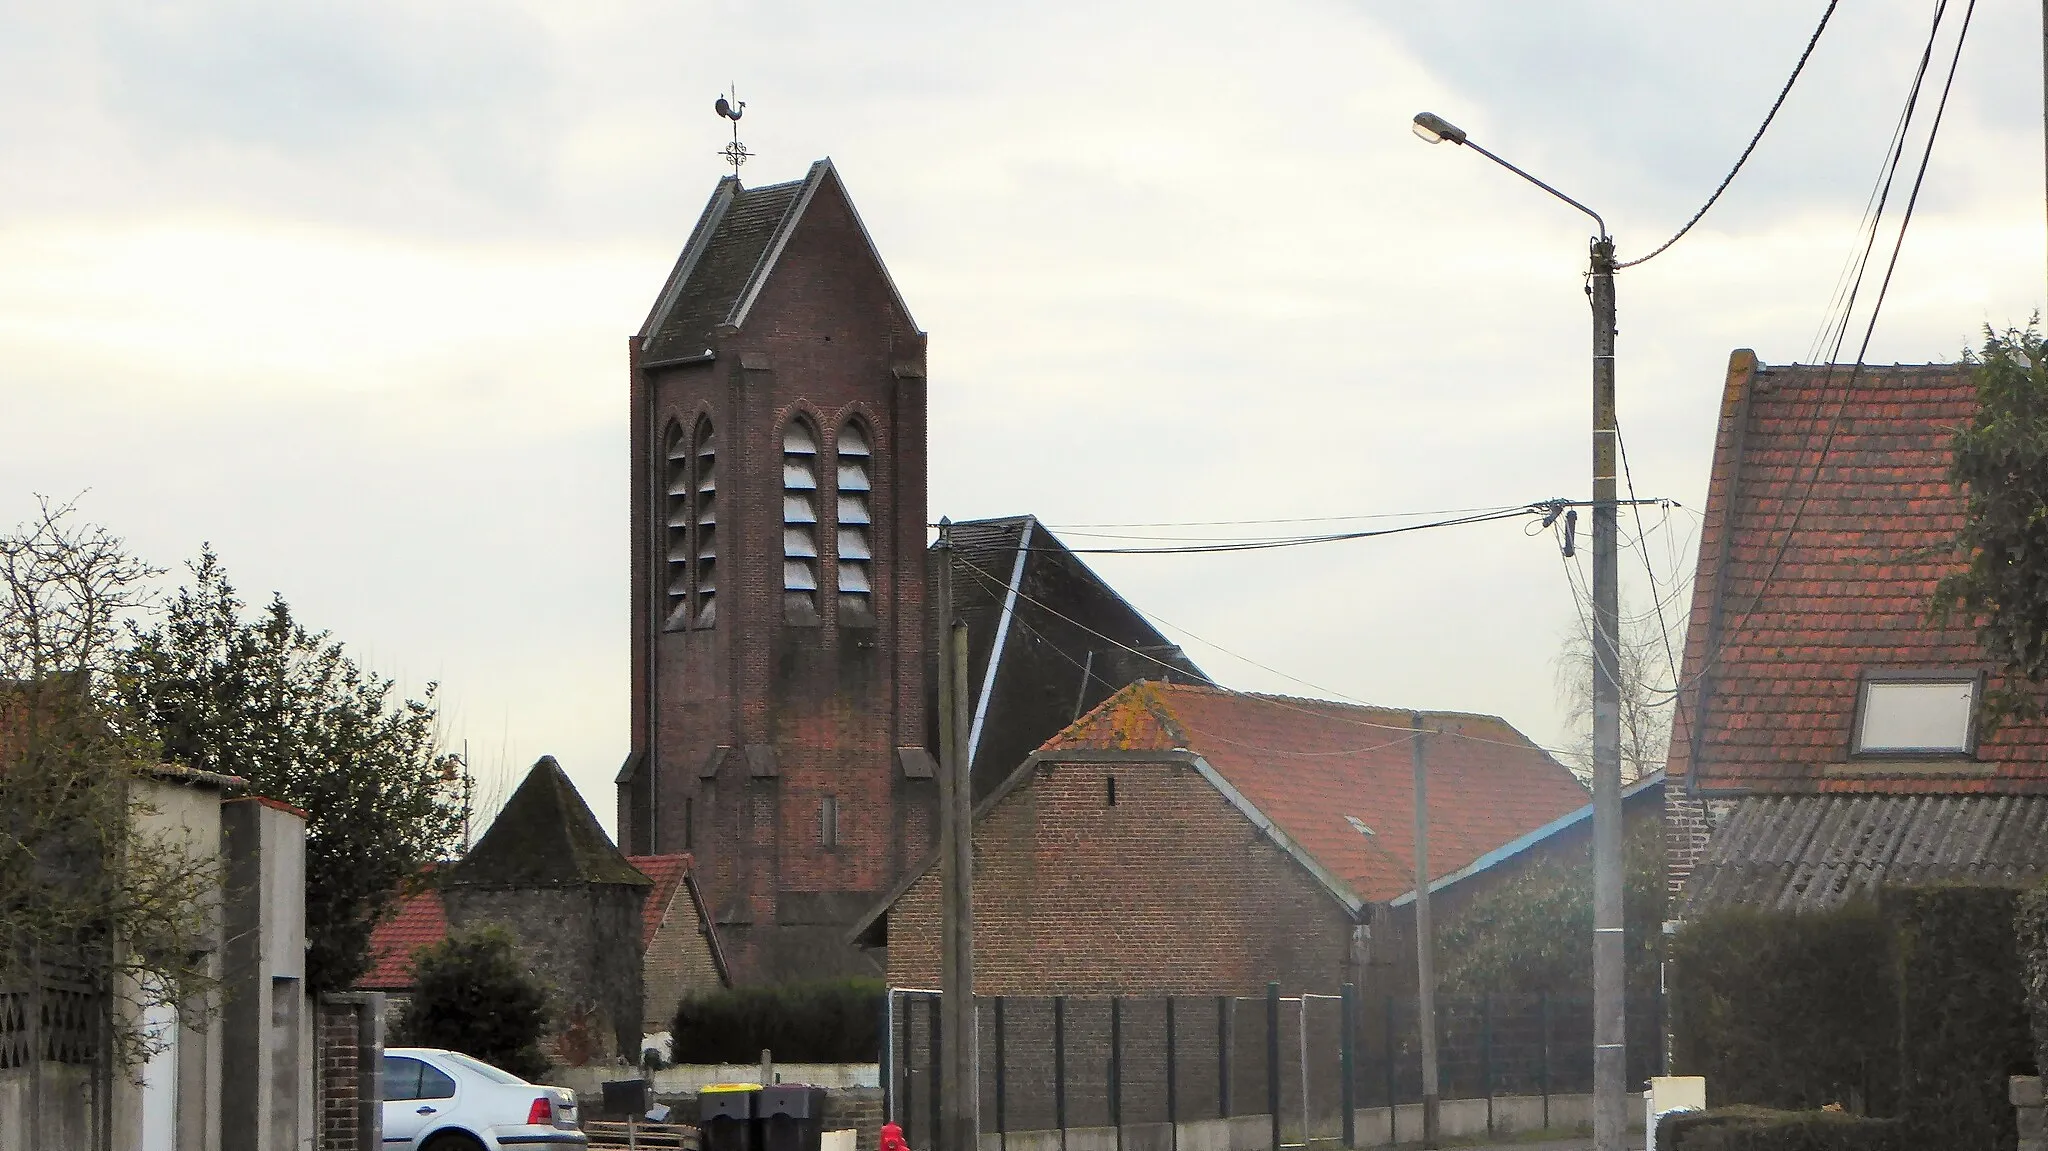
(438, 1100)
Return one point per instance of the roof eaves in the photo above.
(996, 649)
(1331, 883)
(700, 239)
(1520, 844)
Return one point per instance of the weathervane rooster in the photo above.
(732, 108)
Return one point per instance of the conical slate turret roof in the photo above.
(544, 837)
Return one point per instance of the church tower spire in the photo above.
(778, 498)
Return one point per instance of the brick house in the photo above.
(1189, 840)
(782, 639)
(679, 951)
(1827, 738)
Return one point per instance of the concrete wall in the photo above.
(186, 814)
(1457, 1119)
(66, 1120)
(265, 1013)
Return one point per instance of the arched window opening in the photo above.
(856, 553)
(707, 524)
(800, 519)
(676, 453)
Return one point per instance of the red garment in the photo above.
(892, 1138)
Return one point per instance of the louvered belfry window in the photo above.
(680, 515)
(692, 524)
(800, 518)
(856, 551)
(707, 524)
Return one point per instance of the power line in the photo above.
(996, 583)
(1753, 142)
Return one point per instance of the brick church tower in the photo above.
(779, 624)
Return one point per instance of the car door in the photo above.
(402, 1123)
(417, 1098)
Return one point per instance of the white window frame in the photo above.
(1883, 676)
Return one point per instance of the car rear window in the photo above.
(484, 1069)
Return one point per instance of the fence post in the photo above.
(1116, 1068)
(1059, 1066)
(1172, 1094)
(936, 1017)
(1273, 1059)
(887, 1069)
(1225, 1006)
(1002, 1126)
(1486, 1053)
(1347, 1043)
(1387, 1041)
(1543, 1009)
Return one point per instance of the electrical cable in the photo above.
(1753, 142)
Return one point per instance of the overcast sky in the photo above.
(345, 289)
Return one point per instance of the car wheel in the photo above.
(452, 1141)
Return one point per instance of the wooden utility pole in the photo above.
(1425, 942)
(960, 1067)
(2044, 99)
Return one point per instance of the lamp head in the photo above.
(1435, 129)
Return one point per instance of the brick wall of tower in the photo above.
(834, 699)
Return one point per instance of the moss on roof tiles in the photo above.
(544, 837)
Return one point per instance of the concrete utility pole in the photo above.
(1610, 1024)
(1610, 1115)
(960, 1069)
(1425, 942)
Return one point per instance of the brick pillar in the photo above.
(1687, 827)
(349, 1051)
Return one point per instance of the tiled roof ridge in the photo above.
(1148, 696)
(1346, 705)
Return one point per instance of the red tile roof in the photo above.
(1309, 764)
(421, 921)
(1849, 593)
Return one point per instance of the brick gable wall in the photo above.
(1172, 891)
(678, 962)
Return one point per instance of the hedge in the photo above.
(1762, 1129)
(2032, 930)
(1963, 1027)
(1790, 1011)
(831, 1022)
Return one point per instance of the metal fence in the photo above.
(1119, 1061)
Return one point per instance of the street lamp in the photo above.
(1609, 1021)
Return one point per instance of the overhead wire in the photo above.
(1754, 140)
(997, 584)
(1895, 152)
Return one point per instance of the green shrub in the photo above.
(1963, 1025)
(828, 1022)
(1782, 1010)
(473, 993)
(1762, 1129)
(2031, 928)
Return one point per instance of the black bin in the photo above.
(791, 1117)
(726, 1112)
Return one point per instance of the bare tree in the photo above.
(86, 885)
(1647, 681)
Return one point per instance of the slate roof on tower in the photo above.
(731, 253)
(544, 836)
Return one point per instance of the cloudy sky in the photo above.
(345, 290)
